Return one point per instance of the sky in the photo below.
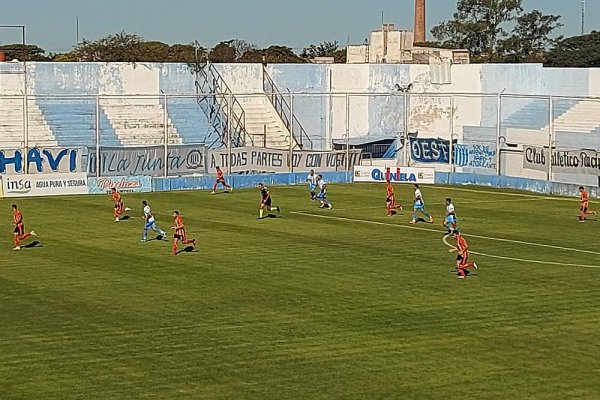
(51, 24)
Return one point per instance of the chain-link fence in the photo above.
(540, 137)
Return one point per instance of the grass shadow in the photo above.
(160, 238)
(187, 249)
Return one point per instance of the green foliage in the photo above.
(530, 37)
(325, 49)
(299, 307)
(480, 27)
(223, 52)
(238, 51)
(477, 26)
(253, 56)
(577, 51)
(28, 52)
(281, 54)
(124, 47)
(117, 47)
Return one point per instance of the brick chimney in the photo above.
(420, 21)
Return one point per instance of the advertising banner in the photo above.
(260, 159)
(395, 175)
(149, 160)
(475, 155)
(42, 160)
(122, 183)
(31, 185)
(430, 150)
(585, 162)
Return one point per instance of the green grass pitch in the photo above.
(318, 304)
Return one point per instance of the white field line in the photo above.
(407, 207)
(445, 240)
(539, 196)
(364, 221)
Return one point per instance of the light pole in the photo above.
(25, 106)
(582, 17)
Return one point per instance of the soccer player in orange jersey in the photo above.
(462, 259)
(583, 211)
(390, 200)
(19, 229)
(221, 180)
(179, 234)
(119, 208)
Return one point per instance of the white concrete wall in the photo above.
(349, 79)
(594, 82)
(430, 115)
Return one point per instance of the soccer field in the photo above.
(317, 304)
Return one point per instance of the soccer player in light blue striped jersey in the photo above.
(322, 195)
(419, 206)
(150, 223)
(450, 222)
(312, 184)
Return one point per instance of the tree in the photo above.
(124, 47)
(530, 37)
(185, 53)
(117, 47)
(224, 52)
(577, 51)
(253, 56)
(477, 26)
(340, 56)
(325, 49)
(152, 51)
(281, 54)
(241, 47)
(28, 52)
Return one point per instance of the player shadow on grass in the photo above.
(32, 245)
(125, 218)
(396, 212)
(467, 273)
(159, 238)
(223, 192)
(187, 249)
(271, 216)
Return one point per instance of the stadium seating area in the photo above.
(73, 122)
(262, 119)
(12, 125)
(137, 121)
(191, 123)
(130, 122)
(533, 113)
(575, 123)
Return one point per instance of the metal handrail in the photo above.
(284, 110)
(217, 87)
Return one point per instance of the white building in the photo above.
(391, 46)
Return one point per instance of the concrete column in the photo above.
(420, 25)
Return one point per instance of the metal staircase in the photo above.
(285, 112)
(219, 104)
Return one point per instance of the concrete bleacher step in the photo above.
(260, 116)
(138, 124)
(583, 117)
(12, 125)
